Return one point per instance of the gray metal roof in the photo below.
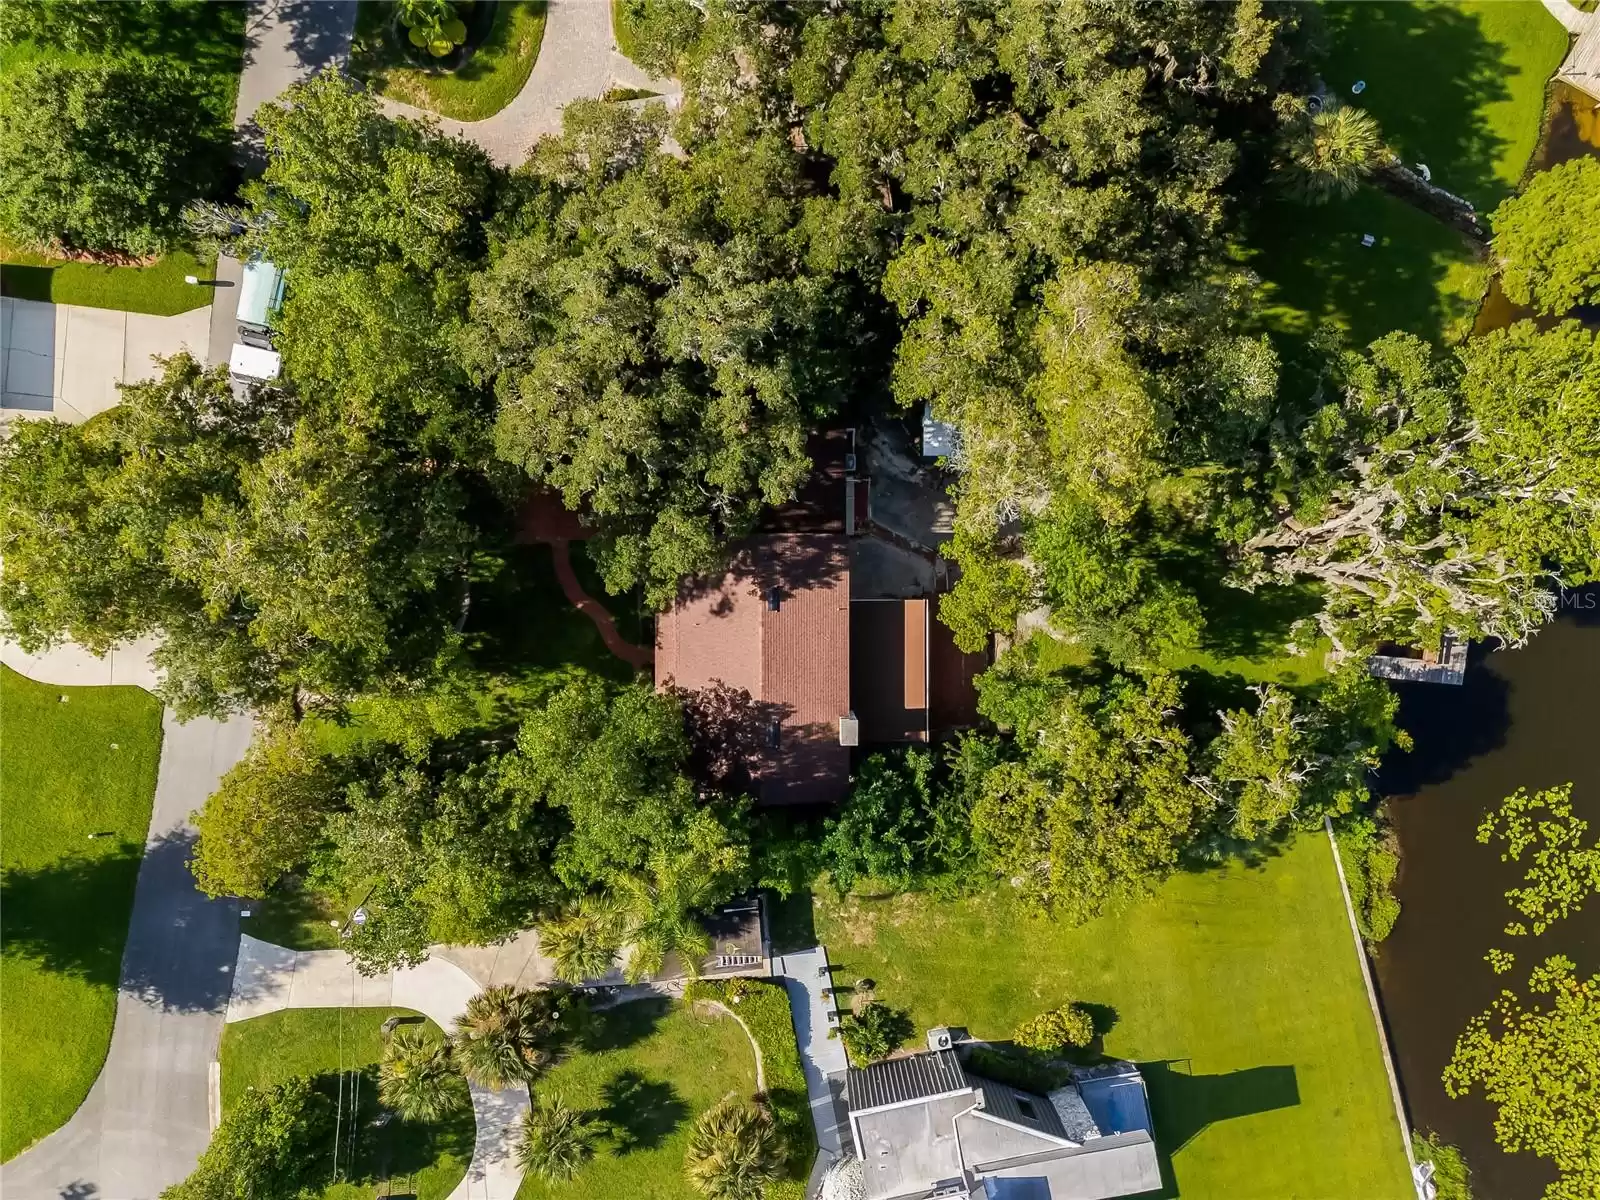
(899, 1080)
(1005, 1102)
(1123, 1165)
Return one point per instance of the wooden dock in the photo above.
(1581, 67)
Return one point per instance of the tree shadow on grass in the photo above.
(520, 621)
(624, 1025)
(641, 1113)
(386, 1149)
(70, 917)
(1429, 72)
(1183, 1104)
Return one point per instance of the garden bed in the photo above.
(503, 39)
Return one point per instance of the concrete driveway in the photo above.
(64, 360)
(146, 1120)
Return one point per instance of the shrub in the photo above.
(1450, 1173)
(764, 1009)
(555, 1140)
(875, 1031)
(504, 1037)
(265, 1147)
(417, 1077)
(905, 822)
(103, 158)
(733, 1151)
(1370, 855)
(1070, 1026)
(1548, 238)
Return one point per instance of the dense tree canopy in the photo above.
(1548, 241)
(1114, 782)
(103, 158)
(1446, 493)
(658, 346)
(347, 186)
(282, 554)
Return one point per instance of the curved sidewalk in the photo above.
(270, 978)
(578, 60)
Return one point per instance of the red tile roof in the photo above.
(793, 660)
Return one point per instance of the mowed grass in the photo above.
(158, 288)
(398, 1158)
(653, 1066)
(1238, 990)
(1419, 276)
(1458, 86)
(65, 896)
(490, 79)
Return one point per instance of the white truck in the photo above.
(260, 297)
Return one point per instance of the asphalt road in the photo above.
(146, 1120)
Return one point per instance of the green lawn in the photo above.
(1420, 275)
(1237, 989)
(425, 1162)
(66, 894)
(623, 30)
(1458, 86)
(157, 289)
(209, 38)
(488, 81)
(652, 1068)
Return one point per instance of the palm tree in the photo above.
(501, 1039)
(417, 1077)
(658, 916)
(556, 1140)
(733, 1151)
(583, 945)
(1331, 152)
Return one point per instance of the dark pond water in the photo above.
(1528, 717)
(1572, 130)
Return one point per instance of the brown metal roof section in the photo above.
(889, 669)
(777, 625)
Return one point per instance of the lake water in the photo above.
(1523, 718)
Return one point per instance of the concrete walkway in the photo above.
(805, 975)
(146, 1119)
(578, 60)
(70, 665)
(270, 978)
(65, 360)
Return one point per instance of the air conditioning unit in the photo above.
(939, 1038)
